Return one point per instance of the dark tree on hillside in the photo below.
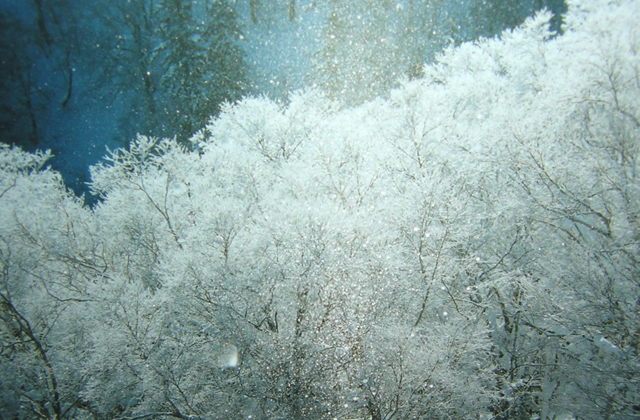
(253, 4)
(490, 17)
(292, 10)
(18, 121)
(202, 64)
(173, 62)
(369, 46)
(182, 64)
(129, 62)
(493, 16)
(37, 58)
(224, 60)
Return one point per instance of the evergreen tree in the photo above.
(370, 46)
(19, 119)
(226, 79)
(182, 65)
(203, 66)
(358, 59)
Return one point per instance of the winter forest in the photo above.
(399, 217)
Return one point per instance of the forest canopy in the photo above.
(79, 76)
(467, 248)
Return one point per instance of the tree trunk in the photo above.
(253, 4)
(292, 10)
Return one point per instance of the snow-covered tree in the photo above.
(45, 264)
(466, 248)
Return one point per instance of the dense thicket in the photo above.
(466, 249)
